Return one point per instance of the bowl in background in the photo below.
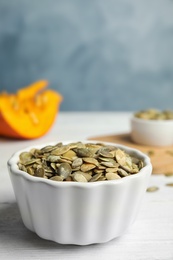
(152, 132)
(75, 212)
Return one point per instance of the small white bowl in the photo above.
(152, 132)
(79, 213)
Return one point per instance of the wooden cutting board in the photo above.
(161, 157)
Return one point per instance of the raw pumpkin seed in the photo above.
(168, 174)
(169, 184)
(152, 189)
(79, 162)
(154, 114)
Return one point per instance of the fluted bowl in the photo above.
(75, 212)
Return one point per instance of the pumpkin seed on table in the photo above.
(152, 189)
(168, 174)
(79, 162)
(169, 184)
(150, 153)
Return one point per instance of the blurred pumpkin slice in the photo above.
(30, 112)
(32, 90)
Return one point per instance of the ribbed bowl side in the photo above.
(78, 214)
(19, 184)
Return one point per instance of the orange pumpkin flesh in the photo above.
(28, 115)
(31, 90)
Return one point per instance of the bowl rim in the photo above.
(151, 121)
(13, 168)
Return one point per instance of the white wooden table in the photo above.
(150, 237)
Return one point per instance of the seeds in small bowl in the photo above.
(154, 114)
(79, 162)
(152, 127)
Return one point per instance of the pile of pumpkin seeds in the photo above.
(79, 162)
(154, 114)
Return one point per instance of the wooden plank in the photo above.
(161, 157)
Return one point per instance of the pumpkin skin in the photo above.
(30, 112)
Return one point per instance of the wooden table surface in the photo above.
(150, 237)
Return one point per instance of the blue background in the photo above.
(99, 54)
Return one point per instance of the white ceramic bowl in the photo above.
(79, 213)
(152, 132)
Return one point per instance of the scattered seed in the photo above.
(152, 189)
(168, 174)
(169, 184)
(150, 153)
